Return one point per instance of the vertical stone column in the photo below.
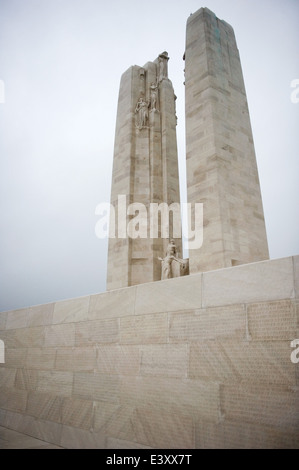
(221, 164)
(145, 168)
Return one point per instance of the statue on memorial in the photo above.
(163, 66)
(153, 96)
(142, 113)
(166, 263)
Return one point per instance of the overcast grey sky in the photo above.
(61, 63)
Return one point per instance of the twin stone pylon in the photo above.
(221, 164)
(145, 171)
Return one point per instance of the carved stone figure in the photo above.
(154, 96)
(142, 113)
(163, 66)
(166, 263)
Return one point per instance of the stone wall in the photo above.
(195, 362)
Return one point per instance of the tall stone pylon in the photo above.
(145, 171)
(221, 164)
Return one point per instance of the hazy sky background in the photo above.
(61, 63)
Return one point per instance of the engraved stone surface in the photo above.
(233, 360)
(75, 438)
(55, 382)
(44, 406)
(26, 379)
(77, 413)
(118, 359)
(166, 360)
(272, 320)
(94, 332)
(96, 386)
(7, 377)
(144, 329)
(13, 399)
(218, 322)
(40, 358)
(278, 406)
(60, 335)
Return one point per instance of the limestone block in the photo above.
(77, 413)
(13, 399)
(26, 379)
(28, 337)
(14, 358)
(3, 316)
(44, 406)
(55, 382)
(73, 310)
(118, 359)
(40, 315)
(44, 430)
(144, 329)
(218, 322)
(76, 359)
(8, 337)
(17, 319)
(7, 377)
(162, 430)
(271, 406)
(166, 296)
(191, 397)
(92, 332)
(118, 421)
(2, 417)
(148, 425)
(106, 415)
(96, 386)
(272, 320)
(296, 275)
(12, 419)
(236, 435)
(74, 438)
(296, 307)
(40, 358)
(113, 443)
(13, 440)
(168, 360)
(60, 335)
(242, 361)
(118, 303)
(254, 282)
(64, 359)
